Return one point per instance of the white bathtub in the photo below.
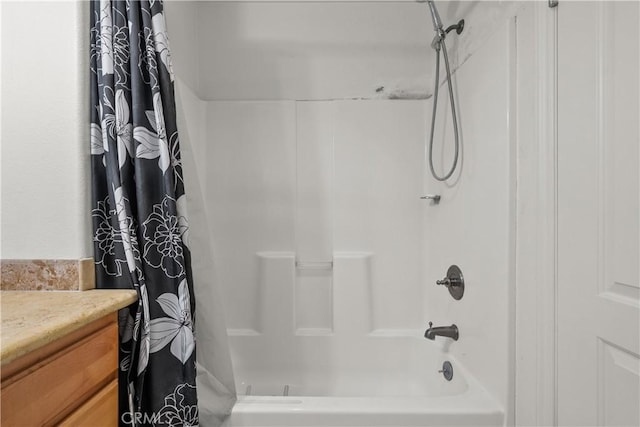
(380, 381)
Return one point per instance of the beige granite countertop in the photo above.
(32, 319)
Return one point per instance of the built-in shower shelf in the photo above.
(315, 265)
(340, 294)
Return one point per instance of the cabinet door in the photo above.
(598, 213)
(99, 411)
(45, 392)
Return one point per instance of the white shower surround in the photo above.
(267, 348)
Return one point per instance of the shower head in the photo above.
(437, 26)
(435, 17)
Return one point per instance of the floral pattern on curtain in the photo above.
(139, 210)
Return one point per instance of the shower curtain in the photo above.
(141, 232)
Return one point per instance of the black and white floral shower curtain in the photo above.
(139, 210)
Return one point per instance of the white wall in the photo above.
(45, 150)
(473, 224)
(184, 39)
(318, 182)
(306, 50)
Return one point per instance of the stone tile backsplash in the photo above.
(47, 274)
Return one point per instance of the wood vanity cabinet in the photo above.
(71, 381)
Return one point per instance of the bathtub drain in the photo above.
(447, 370)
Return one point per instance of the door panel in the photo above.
(598, 213)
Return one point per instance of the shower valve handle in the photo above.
(454, 282)
(446, 282)
(449, 282)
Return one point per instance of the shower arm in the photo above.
(458, 27)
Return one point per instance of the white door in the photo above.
(598, 213)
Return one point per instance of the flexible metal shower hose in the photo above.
(453, 114)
